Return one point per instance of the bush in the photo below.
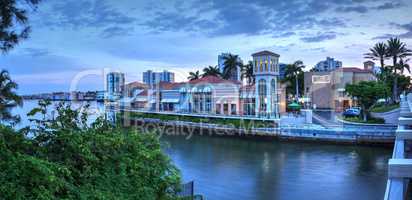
(370, 120)
(84, 162)
(380, 108)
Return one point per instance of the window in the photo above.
(226, 109)
(218, 108)
(261, 66)
(233, 109)
(266, 65)
(256, 65)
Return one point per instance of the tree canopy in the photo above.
(69, 159)
(367, 93)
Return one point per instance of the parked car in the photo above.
(351, 112)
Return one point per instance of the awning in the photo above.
(170, 101)
(182, 90)
(152, 101)
(207, 90)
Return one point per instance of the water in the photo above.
(235, 168)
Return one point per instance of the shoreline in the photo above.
(330, 136)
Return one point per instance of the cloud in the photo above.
(389, 5)
(320, 37)
(358, 9)
(35, 52)
(116, 31)
(86, 13)
(407, 34)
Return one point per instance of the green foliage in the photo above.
(231, 62)
(211, 71)
(193, 75)
(369, 121)
(367, 93)
(247, 73)
(236, 123)
(14, 24)
(292, 72)
(8, 98)
(380, 108)
(69, 159)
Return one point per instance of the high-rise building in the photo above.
(327, 65)
(282, 70)
(150, 78)
(235, 75)
(115, 84)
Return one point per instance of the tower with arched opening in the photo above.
(266, 71)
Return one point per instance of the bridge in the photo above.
(399, 184)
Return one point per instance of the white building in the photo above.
(114, 85)
(266, 70)
(327, 65)
(150, 77)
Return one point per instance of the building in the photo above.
(136, 95)
(326, 90)
(213, 95)
(369, 65)
(266, 71)
(235, 75)
(115, 84)
(327, 65)
(150, 78)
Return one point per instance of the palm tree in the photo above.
(293, 71)
(194, 75)
(403, 64)
(247, 73)
(396, 50)
(231, 63)
(211, 71)
(8, 98)
(378, 52)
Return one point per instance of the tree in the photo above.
(396, 50)
(231, 63)
(70, 159)
(211, 71)
(8, 98)
(294, 78)
(247, 73)
(366, 94)
(14, 24)
(194, 75)
(378, 52)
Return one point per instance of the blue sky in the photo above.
(73, 38)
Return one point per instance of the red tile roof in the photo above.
(136, 84)
(212, 79)
(170, 86)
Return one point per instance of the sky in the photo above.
(74, 42)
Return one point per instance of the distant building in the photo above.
(282, 70)
(150, 77)
(369, 65)
(115, 84)
(235, 75)
(327, 65)
(326, 90)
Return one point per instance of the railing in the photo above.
(400, 165)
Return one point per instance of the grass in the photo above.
(371, 120)
(381, 108)
(238, 123)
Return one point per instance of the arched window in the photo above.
(256, 65)
(273, 94)
(262, 93)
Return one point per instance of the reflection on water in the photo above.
(234, 168)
